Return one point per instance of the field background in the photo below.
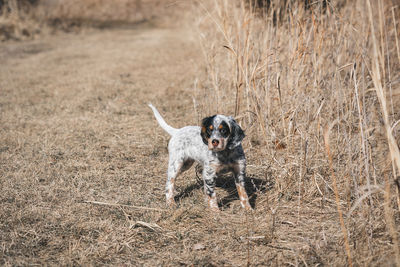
(316, 86)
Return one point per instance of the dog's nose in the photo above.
(215, 142)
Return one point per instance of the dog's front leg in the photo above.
(209, 176)
(239, 171)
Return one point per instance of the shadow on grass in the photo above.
(254, 187)
(74, 23)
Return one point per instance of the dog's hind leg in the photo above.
(175, 167)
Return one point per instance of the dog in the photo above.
(216, 145)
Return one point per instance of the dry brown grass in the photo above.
(83, 162)
(103, 13)
(16, 20)
(27, 19)
(286, 81)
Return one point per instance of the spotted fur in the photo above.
(216, 145)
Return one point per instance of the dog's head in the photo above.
(220, 132)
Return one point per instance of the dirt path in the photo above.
(75, 127)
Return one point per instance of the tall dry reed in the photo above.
(289, 70)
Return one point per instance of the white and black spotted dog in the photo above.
(216, 145)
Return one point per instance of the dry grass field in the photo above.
(83, 161)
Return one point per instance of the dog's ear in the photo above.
(205, 128)
(237, 134)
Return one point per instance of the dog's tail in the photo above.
(170, 130)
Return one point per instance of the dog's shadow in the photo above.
(254, 186)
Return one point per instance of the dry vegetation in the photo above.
(317, 88)
(26, 19)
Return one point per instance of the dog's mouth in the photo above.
(216, 149)
(216, 145)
